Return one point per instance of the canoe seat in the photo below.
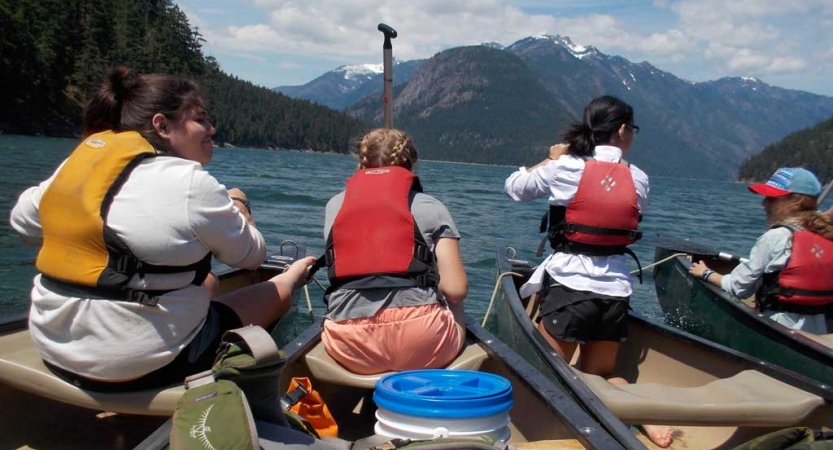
(21, 367)
(749, 398)
(325, 368)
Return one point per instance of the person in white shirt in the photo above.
(127, 227)
(585, 284)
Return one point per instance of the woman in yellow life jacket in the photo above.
(127, 226)
(396, 277)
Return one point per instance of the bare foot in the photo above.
(660, 435)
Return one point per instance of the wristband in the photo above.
(245, 203)
(706, 274)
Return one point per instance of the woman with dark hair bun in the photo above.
(596, 200)
(127, 227)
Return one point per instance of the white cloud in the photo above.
(736, 36)
(787, 64)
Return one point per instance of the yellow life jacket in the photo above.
(79, 248)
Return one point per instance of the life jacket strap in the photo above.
(425, 280)
(129, 265)
(147, 298)
(576, 228)
(772, 303)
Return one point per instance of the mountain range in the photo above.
(506, 105)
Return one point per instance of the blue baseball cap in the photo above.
(789, 180)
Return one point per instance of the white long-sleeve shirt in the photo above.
(558, 180)
(169, 212)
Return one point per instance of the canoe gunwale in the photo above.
(750, 317)
(809, 347)
(565, 373)
(590, 432)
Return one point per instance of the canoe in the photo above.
(715, 397)
(707, 311)
(42, 411)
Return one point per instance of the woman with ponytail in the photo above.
(595, 203)
(789, 267)
(127, 227)
(397, 282)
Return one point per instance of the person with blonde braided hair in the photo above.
(397, 281)
(789, 268)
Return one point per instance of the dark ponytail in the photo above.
(103, 111)
(128, 102)
(602, 119)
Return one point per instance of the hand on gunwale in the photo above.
(697, 269)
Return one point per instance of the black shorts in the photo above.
(581, 316)
(196, 357)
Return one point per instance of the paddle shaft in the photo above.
(387, 55)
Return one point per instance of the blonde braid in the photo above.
(386, 147)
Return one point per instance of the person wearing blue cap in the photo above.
(790, 268)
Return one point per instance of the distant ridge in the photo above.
(689, 129)
(811, 148)
(346, 85)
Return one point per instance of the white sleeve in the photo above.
(220, 227)
(640, 182)
(557, 179)
(25, 216)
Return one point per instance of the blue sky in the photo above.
(290, 42)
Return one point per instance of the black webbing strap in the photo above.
(147, 298)
(576, 228)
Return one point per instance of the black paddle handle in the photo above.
(389, 33)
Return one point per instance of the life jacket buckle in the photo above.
(125, 265)
(143, 298)
(423, 253)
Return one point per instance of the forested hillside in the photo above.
(53, 53)
(811, 148)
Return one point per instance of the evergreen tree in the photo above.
(54, 53)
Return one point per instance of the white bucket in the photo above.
(431, 404)
(395, 425)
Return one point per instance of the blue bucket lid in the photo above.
(453, 394)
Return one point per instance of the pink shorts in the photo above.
(395, 339)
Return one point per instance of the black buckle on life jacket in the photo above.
(786, 291)
(126, 265)
(142, 298)
(425, 280)
(423, 253)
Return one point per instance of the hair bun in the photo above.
(121, 82)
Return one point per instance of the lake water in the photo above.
(288, 191)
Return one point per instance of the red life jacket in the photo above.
(602, 218)
(374, 241)
(807, 279)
